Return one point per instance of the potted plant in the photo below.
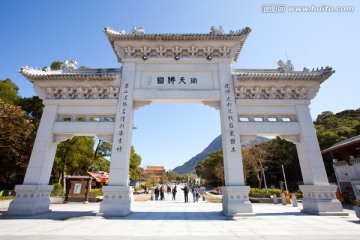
(357, 207)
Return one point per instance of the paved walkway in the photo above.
(173, 220)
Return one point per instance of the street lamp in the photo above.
(263, 173)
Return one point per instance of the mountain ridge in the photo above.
(215, 145)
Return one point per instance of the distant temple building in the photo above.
(155, 171)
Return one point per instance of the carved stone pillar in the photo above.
(235, 193)
(319, 196)
(33, 197)
(118, 195)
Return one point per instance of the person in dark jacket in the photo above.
(162, 194)
(174, 193)
(186, 193)
(156, 192)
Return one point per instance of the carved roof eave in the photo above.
(74, 75)
(275, 75)
(240, 37)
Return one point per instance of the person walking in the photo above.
(194, 193)
(186, 193)
(174, 193)
(168, 190)
(156, 193)
(162, 196)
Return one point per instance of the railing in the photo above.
(352, 162)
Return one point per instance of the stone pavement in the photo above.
(178, 220)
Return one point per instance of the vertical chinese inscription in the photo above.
(122, 112)
(230, 116)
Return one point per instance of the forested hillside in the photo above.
(336, 127)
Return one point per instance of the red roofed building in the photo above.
(155, 171)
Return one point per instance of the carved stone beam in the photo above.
(61, 138)
(106, 138)
(213, 104)
(139, 104)
(291, 138)
(247, 138)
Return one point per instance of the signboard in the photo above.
(175, 80)
(77, 188)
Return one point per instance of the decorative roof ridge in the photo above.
(214, 32)
(278, 71)
(34, 71)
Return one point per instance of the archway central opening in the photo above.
(170, 135)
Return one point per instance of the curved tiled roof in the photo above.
(237, 36)
(155, 168)
(345, 143)
(271, 74)
(99, 74)
(114, 35)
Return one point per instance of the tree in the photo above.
(171, 176)
(102, 151)
(9, 92)
(73, 157)
(255, 159)
(34, 108)
(16, 141)
(164, 178)
(135, 161)
(212, 169)
(55, 65)
(284, 153)
(143, 176)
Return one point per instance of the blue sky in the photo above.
(35, 33)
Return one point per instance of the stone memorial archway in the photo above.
(176, 68)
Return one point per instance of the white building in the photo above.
(176, 68)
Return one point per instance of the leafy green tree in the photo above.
(164, 178)
(55, 65)
(171, 175)
(332, 128)
(16, 141)
(73, 157)
(34, 108)
(135, 161)
(9, 92)
(102, 151)
(284, 153)
(212, 169)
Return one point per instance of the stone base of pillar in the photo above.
(321, 200)
(116, 201)
(30, 200)
(236, 202)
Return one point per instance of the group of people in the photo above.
(160, 192)
(195, 193)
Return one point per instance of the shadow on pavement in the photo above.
(53, 215)
(145, 216)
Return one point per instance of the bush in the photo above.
(57, 190)
(6, 198)
(261, 193)
(298, 194)
(96, 192)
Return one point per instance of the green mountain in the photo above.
(215, 145)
